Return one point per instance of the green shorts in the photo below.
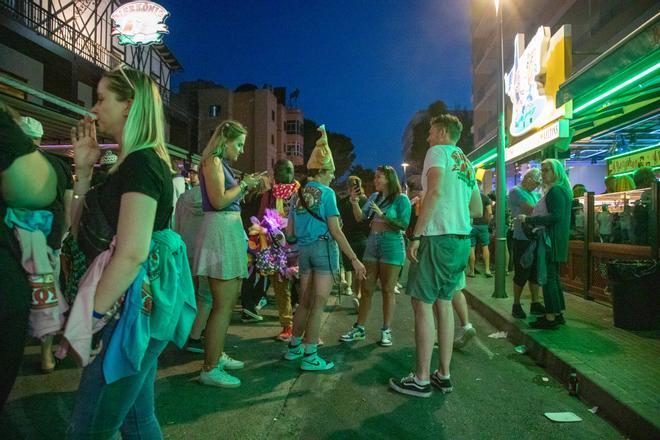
(439, 273)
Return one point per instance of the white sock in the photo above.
(467, 326)
(420, 381)
(437, 373)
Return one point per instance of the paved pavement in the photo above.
(499, 394)
(618, 369)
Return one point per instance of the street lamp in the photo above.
(500, 167)
(405, 165)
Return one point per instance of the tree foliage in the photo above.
(366, 174)
(421, 131)
(341, 145)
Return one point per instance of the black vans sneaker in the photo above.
(518, 312)
(408, 385)
(443, 385)
(537, 309)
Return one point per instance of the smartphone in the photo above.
(356, 188)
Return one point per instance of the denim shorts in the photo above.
(481, 234)
(439, 273)
(385, 247)
(319, 256)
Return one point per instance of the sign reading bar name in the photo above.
(624, 163)
(552, 133)
(140, 23)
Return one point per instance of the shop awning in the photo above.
(484, 155)
(617, 87)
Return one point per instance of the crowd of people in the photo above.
(147, 261)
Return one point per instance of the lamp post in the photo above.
(500, 249)
(405, 165)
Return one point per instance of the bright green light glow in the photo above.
(617, 88)
(633, 172)
(482, 160)
(632, 152)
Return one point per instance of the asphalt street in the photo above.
(498, 393)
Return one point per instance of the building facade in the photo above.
(274, 130)
(62, 48)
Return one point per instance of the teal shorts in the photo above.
(385, 247)
(439, 273)
(481, 234)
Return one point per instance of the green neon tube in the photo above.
(615, 89)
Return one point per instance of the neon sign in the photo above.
(523, 83)
(140, 23)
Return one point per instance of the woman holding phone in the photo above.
(221, 247)
(388, 211)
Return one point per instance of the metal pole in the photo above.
(500, 223)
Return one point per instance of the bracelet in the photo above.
(78, 196)
(97, 315)
(416, 238)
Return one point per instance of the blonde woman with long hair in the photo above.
(221, 247)
(135, 200)
(553, 212)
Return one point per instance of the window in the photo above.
(272, 139)
(214, 111)
(272, 115)
(294, 149)
(293, 127)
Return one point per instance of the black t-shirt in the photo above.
(144, 172)
(485, 201)
(353, 230)
(64, 182)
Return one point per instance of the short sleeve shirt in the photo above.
(451, 215)
(517, 198)
(321, 200)
(143, 172)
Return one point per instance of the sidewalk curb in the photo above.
(619, 413)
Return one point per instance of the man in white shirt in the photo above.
(439, 251)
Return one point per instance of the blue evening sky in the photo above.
(363, 67)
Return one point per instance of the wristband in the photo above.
(97, 315)
(416, 238)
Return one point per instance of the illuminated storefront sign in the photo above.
(644, 157)
(532, 84)
(538, 71)
(140, 23)
(554, 132)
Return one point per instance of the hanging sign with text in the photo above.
(140, 23)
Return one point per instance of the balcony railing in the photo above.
(38, 19)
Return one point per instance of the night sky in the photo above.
(363, 67)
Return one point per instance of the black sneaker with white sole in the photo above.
(443, 385)
(409, 386)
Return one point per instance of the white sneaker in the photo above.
(349, 292)
(356, 303)
(228, 363)
(465, 337)
(386, 338)
(218, 377)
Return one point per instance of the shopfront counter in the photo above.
(606, 227)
